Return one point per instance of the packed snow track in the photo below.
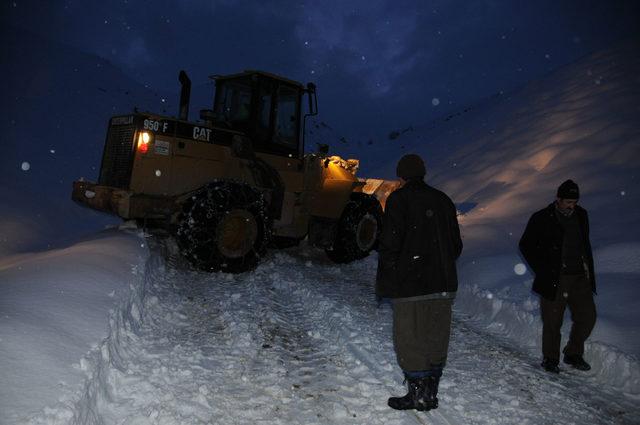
(302, 341)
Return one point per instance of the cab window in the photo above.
(233, 104)
(264, 109)
(265, 105)
(286, 120)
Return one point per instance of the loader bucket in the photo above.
(379, 188)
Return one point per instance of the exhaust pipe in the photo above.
(185, 93)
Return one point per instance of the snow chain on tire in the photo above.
(224, 227)
(358, 229)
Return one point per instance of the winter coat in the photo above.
(541, 246)
(419, 243)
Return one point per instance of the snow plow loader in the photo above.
(237, 182)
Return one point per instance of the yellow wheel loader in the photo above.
(237, 181)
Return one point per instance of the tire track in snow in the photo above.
(363, 331)
(317, 377)
(300, 340)
(200, 355)
(302, 327)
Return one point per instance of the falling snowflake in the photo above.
(623, 193)
(435, 101)
(520, 269)
(158, 173)
(25, 166)
(52, 150)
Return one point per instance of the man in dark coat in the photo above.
(418, 248)
(556, 245)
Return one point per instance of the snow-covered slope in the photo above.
(583, 122)
(54, 110)
(504, 158)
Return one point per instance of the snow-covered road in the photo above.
(302, 341)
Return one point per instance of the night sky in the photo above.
(379, 65)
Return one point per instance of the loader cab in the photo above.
(263, 106)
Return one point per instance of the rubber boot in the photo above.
(413, 399)
(577, 362)
(429, 398)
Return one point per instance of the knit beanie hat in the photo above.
(410, 166)
(568, 190)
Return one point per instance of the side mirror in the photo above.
(313, 100)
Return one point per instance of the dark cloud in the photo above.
(379, 64)
(371, 40)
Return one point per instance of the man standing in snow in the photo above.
(418, 248)
(556, 245)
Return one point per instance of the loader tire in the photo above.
(358, 229)
(224, 227)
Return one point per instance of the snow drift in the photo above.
(56, 307)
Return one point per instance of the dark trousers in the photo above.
(574, 291)
(421, 331)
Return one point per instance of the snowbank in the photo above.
(496, 299)
(57, 306)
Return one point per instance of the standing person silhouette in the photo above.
(556, 245)
(418, 248)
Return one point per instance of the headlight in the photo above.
(144, 138)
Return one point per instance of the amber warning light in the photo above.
(144, 138)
